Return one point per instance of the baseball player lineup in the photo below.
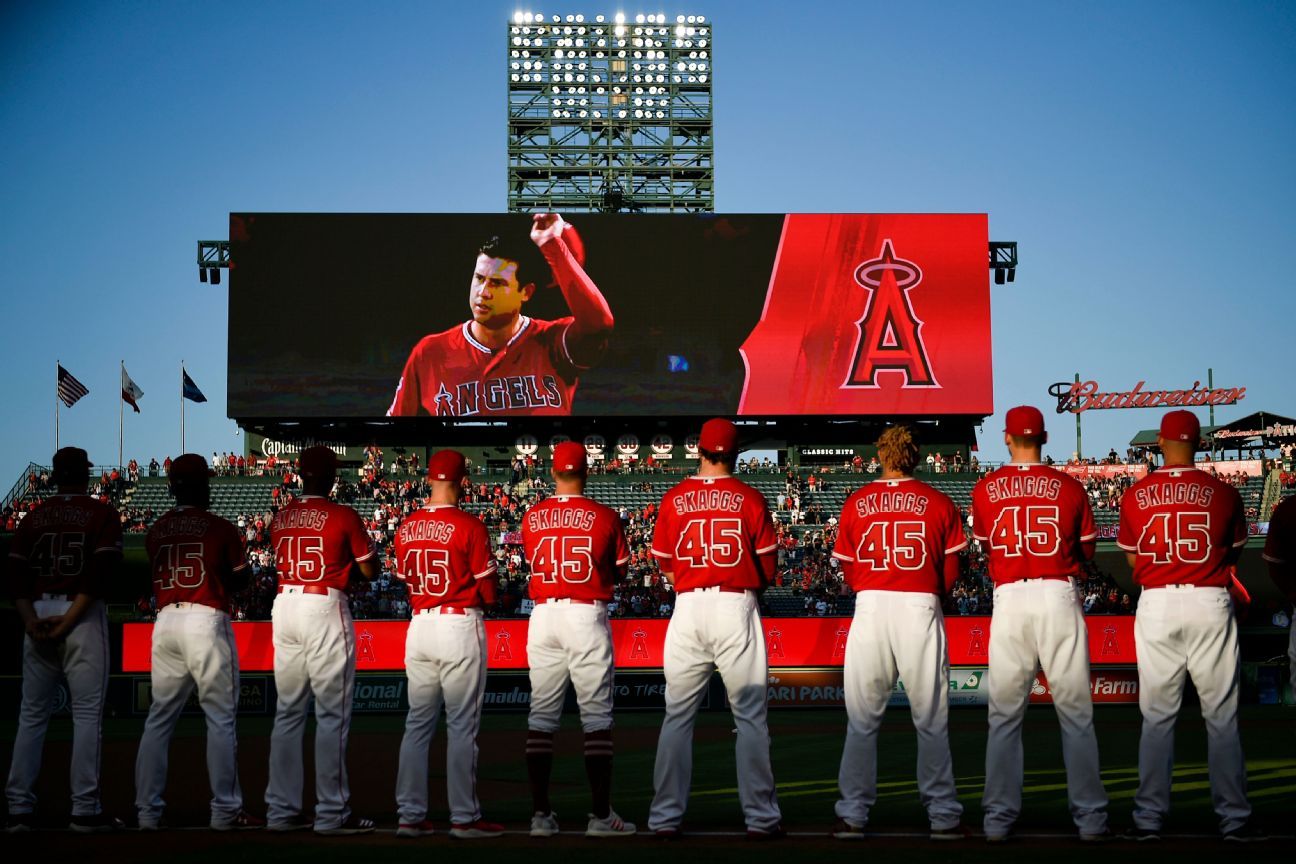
(1182, 531)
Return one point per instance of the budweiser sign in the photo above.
(1085, 396)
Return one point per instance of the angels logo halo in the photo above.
(890, 334)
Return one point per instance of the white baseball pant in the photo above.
(1178, 631)
(715, 630)
(83, 658)
(567, 640)
(1037, 623)
(314, 648)
(445, 660)
(193, 647)
(897, 632)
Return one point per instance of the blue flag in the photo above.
(191, 391)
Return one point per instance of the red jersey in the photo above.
(442, 554)
(191, 552)
(451, 374)
(316, 541)
(894, 535)
(575, 547)
(55, 542)
(1181, 523)
(1033, 521)
(711, 531)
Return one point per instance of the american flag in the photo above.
(69, 388)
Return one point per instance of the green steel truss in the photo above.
(610, 116)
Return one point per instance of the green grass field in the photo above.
(806, 749)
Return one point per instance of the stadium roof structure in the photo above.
(1256, 430)
(1147, 438)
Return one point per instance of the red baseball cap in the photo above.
(70, 459)
(1181, 426)
(317, 461)
(447, 465)
(1024, 420)
(718, 436)
(569, 456)
(190, 466)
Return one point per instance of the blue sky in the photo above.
(1140, 153)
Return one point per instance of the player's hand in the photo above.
(546, 227)
(51, 629)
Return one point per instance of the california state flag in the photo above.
(131, 391)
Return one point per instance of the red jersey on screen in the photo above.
(711, 531)
(316, 541)
(874, 314)
(894, 535)
(451, 374)
(1181, 523)
(575, 547)
(1032, 521)
(53, 546)
(442, 554)
(191, 551)
(1280, 544)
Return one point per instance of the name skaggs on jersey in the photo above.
(1024, 486)
(426, 529)
(181, 526)
(59, 514)
(890, 502)
(560, 517)
(709, 499)
(1174, 493)
(299, 517)
(499, 394)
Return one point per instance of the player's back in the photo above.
(894, 536)
(711, 531)
(574, 546)
(316, 541)
(1181, 523)
(59, 536)
(191, 552)
(441, 553)
(1033, 520)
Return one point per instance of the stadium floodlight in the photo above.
(518, 17)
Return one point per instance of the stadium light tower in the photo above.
(610, 113)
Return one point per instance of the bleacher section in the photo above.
(230, 496)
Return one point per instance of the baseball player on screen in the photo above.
(576, 549)
(443, 556)
(1182, 530)
(60, 560)
(899, 540)
(715, 542)
(1280, 553)
(501, 361)
(1038, 529)
(316, 542)
(197, 562)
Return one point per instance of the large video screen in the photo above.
(366, 316)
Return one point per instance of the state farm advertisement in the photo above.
(823, 688)
(638, 642)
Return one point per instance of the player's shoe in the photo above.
(17, 823)
(293, 823)
(998, 836)
(415, 829)
(957, 831)
(1141, 834)
(761, 835)
(544, 824)
(475, 830)
(142, 823)
(242, 821)
(668, 834)
(1246, 833)
(611, 826)
(100, 823)
(354, 825)
(1097, 836)
(843, 830)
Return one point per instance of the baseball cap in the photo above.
(569, 456)
(317, 461)
(718, 436)
(1181, 426)
(1024, 420)
(190, 466)
(72, 462)
(447, 465)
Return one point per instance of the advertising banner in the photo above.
(822, 688)
(609, 315)
(1084, 472)
(638, 642)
